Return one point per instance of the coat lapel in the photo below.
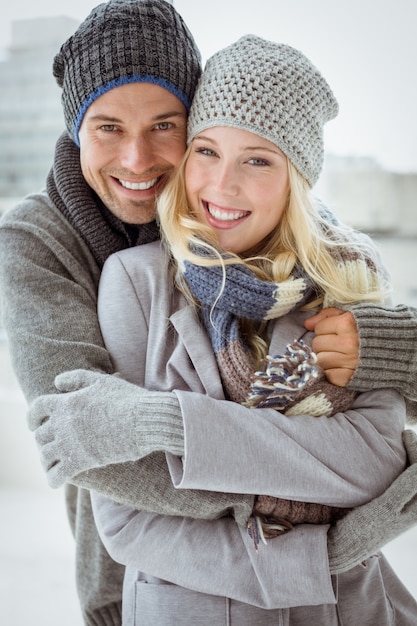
(198, 346)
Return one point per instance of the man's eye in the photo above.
(164, 125)
(108, 127)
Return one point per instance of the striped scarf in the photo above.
(291, 383)
(243, 296)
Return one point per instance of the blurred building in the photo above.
(31, 116)
(368, 197)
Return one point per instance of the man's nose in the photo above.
(138, 153)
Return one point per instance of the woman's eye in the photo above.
(257, 161)
(206, 151)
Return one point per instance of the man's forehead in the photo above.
(157, 102)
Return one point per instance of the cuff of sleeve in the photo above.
(387, 338)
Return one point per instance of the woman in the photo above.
(247, 256)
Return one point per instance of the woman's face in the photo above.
(238, 184)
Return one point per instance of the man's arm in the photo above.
(48, 284)
(387, 340)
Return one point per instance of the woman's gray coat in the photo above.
(192, 572)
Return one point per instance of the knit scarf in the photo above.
(102, 231)
(243, 296)
(291, 383)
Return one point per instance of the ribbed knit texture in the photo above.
(269, 89)
(79, 428)
(121, 42)
(102, 231)
(278, 509)
(380, 328)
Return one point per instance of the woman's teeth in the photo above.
(225, 216)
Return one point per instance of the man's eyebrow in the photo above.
(102, 117)
(164, 116)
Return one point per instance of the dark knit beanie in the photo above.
(269, 89)
(121, 42)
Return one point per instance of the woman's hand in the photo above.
(336, 344)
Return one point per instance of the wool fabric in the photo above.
(243, 295)
(269, 89)
(294, 384)
(122, 42)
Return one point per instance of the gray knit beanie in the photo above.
(271, 90)
(125, 41)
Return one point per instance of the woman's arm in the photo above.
(218, 557)
(233, 567)
(239, 442)
(344, 460)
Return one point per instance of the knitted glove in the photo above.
(369, 527)
(100, 419)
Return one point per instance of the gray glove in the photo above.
(366, 529)
(100, 419)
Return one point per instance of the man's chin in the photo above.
(136, 213)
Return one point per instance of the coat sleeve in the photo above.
(345, 460)
(218, 557)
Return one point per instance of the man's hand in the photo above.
(336, 344)
(98, 419)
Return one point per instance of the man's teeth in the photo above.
(225, 216)
(138, 186)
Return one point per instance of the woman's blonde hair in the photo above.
(342, 262)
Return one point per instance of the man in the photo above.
(141, 62)
(127, 75)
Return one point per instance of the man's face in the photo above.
(130, 139)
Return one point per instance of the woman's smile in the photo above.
(238, 184)
(224, 217)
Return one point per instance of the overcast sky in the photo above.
(366, 49)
